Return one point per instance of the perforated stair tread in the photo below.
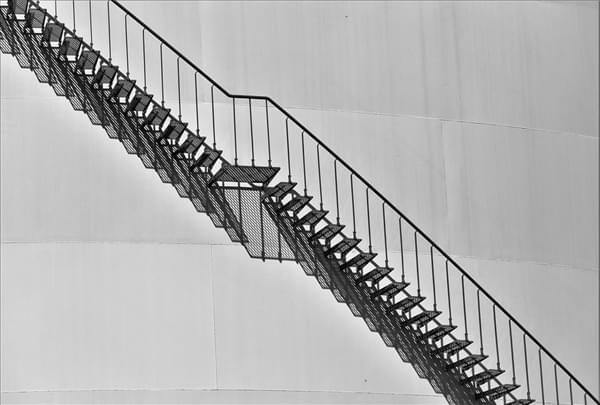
(121, 91)
(327, 232)
(295, 204)
(358, 261)
(521, 402)
(245, 174)
(390, 290)
(343, 246)
(497, 392)
(374, 275)
(452, 347)
(482, 377)
(438, 332)
(207, 158)
(172, 132)
(189, 147)
(311, 218)
(279, 191)
(406, 304)
(467, 362)
(421, 319)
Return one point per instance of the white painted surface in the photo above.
(111, 282)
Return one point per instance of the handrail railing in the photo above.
(288, 115)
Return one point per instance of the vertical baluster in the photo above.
(556, 384)
(144, 56)
(479, 317)
(417, 264)
(319, 173)
(512, 352)
(162, 78)
(268, 132)
(496, 338)
(287, 140)
(91, 31)
(369, 221)
(251, 130)
(196, 100)
(385, 247)
(303, 163)
(541, 376)
(127, 47)
(337, 197)
(73, 7)
(571, 391)
(462, 281)
(448, 291)
(212, 112)
(401, 247)
(235, 160)
(433, 278)
(56, 8)
(353, 211)
(526, 366)
(109, 36)
(178, 90)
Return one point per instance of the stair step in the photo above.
(245, 174)
(35, 20)
(172, 132)
(359, 261)
(122, 90)
(311, 218)
(207, 158)
(467, 362)
(521, 402)
(189, 147)
(375, 275)
(156, 118)
(439, 332)
(18, 7)
(138, 104)
(279, 191)
(497, 392)
(452, 347)
(390, 290)
(295, 204)
(343, 246)
(86, 64)
(70, 47)
(105, 75)
(421, 319)
(482, 377)
(52, 35)
(406, 304)
(327, 233)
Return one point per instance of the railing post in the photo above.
(126, 47)
(526, 365)
(495, 336)
(196, 101)
(268, 132)
(462, 281)
(479, 318)
(287, 142)
(55, 9)
(178, 91)
(162, 78)
(541, 375)
(401, 247)
(385, 247)
(353, 210)
(251, 131)
(337, 198)
(91, 31)
(417, 264)
(319, 173)
(448, 291)
(512, 352)
(433, 278)
(303, 162)
(368, 220)
(571, 391)
(212, 111)
(235, 160)
(144, 56)
(556, 384)
(73, 6)
(109, 36)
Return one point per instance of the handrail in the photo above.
(364, 181)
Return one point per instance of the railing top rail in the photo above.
(364, 181)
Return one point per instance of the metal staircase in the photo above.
(275, 188)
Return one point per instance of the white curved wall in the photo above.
(483, 118)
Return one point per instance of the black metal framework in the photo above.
(277, 222)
